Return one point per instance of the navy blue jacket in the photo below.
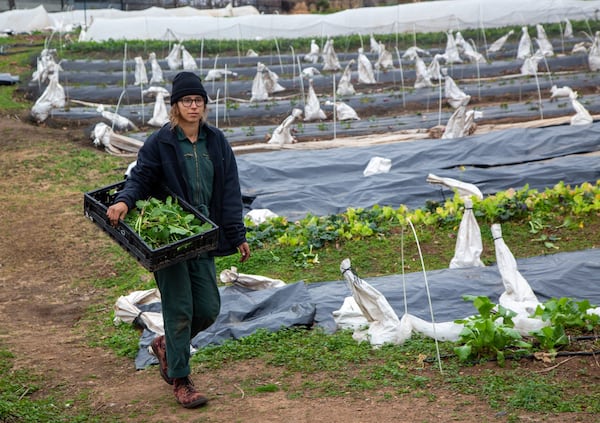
(160, 162)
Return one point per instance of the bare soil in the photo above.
(49, 254)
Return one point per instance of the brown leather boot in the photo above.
(186, 394)
(160, 351)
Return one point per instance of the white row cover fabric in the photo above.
(253, 282)
(372, 318)
(127, 311)
(365, 69)
(283, 133)
(594, 53)
(246, 23)
(377, 165)
(469, 246)
(313, 55)
(156, 71)
(461, 123)
(499, 43)
(345, 87)
(312, 109)
(258, 216)
(582, 116)
(343, 111)
(53, 97)
(140, 74)
(464, 189)
(265, 83)
(454, 95)
(405, 18)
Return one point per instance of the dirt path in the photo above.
(49, 253)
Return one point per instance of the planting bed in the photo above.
(497, 89)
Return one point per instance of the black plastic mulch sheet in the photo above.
(244, 311)
(574, 275)
(293, 183)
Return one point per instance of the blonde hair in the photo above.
(175, 115)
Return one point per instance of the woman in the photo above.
(195, 161)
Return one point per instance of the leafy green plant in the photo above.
(551, 338)
(568, 313)
(161, 223)
(489, 333)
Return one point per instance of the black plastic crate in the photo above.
(97, 202)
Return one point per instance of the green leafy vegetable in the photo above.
(161, 223)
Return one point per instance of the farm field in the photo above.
(54, 263)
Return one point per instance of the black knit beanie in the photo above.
(187, 83)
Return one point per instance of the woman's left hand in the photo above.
(244, 251)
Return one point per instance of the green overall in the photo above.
(189, 293)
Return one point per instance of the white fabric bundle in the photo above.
(330, 59)
(469, 246)
(189, 63)
(384, 59)
(499, 43)
(582, 116)
(454, 95)
(283, 133)
(141, 77)
(524, 50)
(451, 55)
(422, 79)
(160, 115)
(345, 87)
(312, 109)
(253, 282)
(545, 46)
(460, 123)
(313, 55)
(365, 69)
(126, 310)
(174, 58)
(594, 53)
(343, 111)
(156, 71)
(52, 97)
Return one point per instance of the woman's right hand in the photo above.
(117, 212)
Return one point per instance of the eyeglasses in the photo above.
(187, 102)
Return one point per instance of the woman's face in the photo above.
(191, 108)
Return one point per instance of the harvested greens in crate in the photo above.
(158, 233)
